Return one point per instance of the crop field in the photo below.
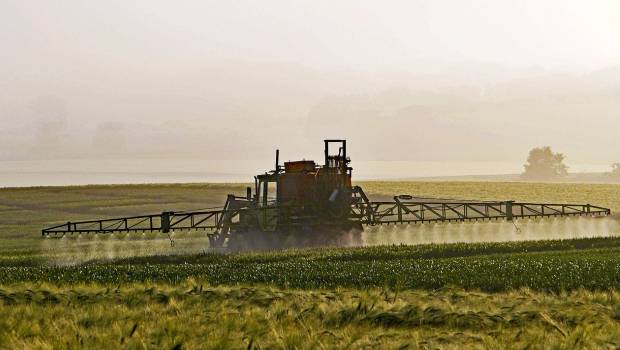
(24, 211)
(193, 315)
(124, 291)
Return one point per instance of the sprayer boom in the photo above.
(371, 213)
(416, 211)
(308, 200)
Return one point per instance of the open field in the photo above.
(559, 294)
(192, 315)
(24, 211)
(125, 292)
(572, 177)
(547, 266)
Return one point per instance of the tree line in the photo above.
(544, 164)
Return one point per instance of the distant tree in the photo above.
(543, 164)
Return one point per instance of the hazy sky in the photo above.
(234, 79)
(342, 34)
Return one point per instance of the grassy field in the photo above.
(128, 292)
(191, 315)
(24, 211)
(593, 264)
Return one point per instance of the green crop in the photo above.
(125, 292)
(552, 270)
(193, 315)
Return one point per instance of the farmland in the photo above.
(192, 315)
(126, 292)
(24, 211)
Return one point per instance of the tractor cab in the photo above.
(304, 183)
(303, 190)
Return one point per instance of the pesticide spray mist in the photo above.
(74, 250)
(78, 249)
(494, 231)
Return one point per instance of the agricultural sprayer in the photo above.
(303, 203)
